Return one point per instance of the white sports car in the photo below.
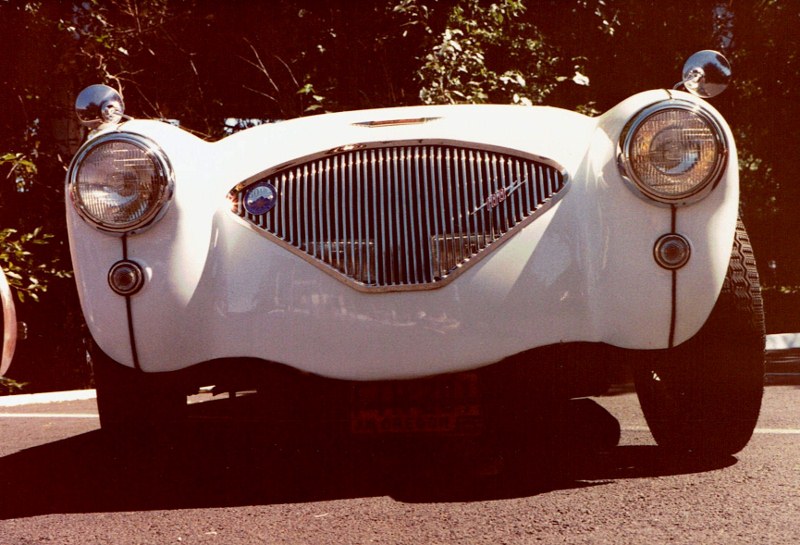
(433, 259)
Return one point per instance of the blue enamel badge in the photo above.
(260, 198)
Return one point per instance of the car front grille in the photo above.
(402, 217)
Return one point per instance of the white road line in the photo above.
(760, 431)
(48, 397)
(777, 431)
(47, 415)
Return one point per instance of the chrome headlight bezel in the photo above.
(645, 188)
(162, 172)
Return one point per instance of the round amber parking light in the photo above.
(120, 182)
(125, 277)
(673, 152)
(672, 251)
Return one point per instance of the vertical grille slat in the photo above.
(403, 212)
(404, 216)
(369, 171)
(429, 273)
(420, 277)
(465, 189)
(387, 239)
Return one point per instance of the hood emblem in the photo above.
(260, 198)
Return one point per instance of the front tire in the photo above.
(132, 402)
(703, 397)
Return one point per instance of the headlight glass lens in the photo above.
(674, 153)
(120, 183)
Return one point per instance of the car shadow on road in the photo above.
(236, 462)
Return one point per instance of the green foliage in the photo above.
(26, 273)
(22, 169)
(106, 34)
(317, 101)
(10, 386)
(487, 53)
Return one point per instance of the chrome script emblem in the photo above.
(498, 197)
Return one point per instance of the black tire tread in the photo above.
(742, 281)
(703, 397)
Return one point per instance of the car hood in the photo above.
(552, 133)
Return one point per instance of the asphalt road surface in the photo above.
(226, 482)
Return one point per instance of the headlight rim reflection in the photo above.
(163, 181)
(648, 190)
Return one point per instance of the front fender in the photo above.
(9, 324)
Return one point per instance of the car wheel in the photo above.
(703, 396)
(132, 402)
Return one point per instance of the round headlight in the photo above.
(120, 182)
(673, 152)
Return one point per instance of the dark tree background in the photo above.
(219, 66)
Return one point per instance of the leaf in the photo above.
(580, 79)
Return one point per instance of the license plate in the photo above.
(440, 405)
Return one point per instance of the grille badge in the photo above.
(260, 198)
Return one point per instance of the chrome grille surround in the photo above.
(402, 215)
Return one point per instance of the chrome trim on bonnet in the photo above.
(408, 215)
(395, 122)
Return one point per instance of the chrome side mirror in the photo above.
(706, 74)
(99, 104)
